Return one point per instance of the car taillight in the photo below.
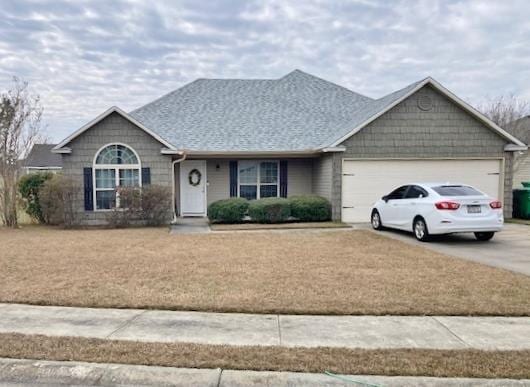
(496, 204)
(447, 205)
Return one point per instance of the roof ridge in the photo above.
(325, 80)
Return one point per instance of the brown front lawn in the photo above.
(411, 362)
(310, 272)
(277, 226)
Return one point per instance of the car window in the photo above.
(397, 193)
(456, 190)
(415, 192)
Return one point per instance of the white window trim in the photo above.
(258, 177)
(117, 168)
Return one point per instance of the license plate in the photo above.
(473, 209)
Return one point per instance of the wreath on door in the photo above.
(194, 177)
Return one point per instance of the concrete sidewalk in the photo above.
(442, 332)
(14, 372)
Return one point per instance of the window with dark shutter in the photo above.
(88, 188)
(233, 178)
(283, 178)
(146, 176)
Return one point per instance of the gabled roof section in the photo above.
(521, 129)
(61, 147)
(41, 156)
(380, 106)
(294, 113)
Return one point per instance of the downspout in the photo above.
(173, 185)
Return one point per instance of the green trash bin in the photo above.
(521, 202)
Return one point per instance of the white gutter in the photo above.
(515, 148)
(173, 185)
(334, 149)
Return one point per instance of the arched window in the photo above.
(115, 165)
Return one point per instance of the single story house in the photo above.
(41, 159)
(521, 171)
(218, 138)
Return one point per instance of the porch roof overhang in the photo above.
(254, 154)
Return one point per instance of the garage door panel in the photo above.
(366, 181)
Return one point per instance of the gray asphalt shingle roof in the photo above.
(41, 156)
(294, 113)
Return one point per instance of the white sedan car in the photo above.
(433, 208)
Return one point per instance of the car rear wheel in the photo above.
(421, 232)
(376, 220)
(484, 236)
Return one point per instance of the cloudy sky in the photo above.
(85, 56)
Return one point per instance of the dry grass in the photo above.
(306, 272)
(279, 226)
(413, 362)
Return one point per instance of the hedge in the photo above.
(269, 210)
(29, 187)
(310, 208)
(228, 210)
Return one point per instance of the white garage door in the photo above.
(363, 182)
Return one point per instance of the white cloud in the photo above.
(84, 56)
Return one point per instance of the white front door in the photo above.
(193, 188)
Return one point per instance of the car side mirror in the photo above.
(385, 198)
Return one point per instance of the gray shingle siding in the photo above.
(113, 129)
(299, 177)
(323, 176)
(218, 180)
(405, 131)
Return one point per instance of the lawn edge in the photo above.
(385, 362)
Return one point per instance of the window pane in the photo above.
(105, 178)
(269, 172)
(415, 192)
(116, 154)
(398, 193)
(105, 200)
(456, 190)
(268, 191)
(248, 191)
(129, 178)
(248, 172)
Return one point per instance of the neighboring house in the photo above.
(41, 159)
(521, 129)
(218, 138)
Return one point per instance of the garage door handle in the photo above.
(494, 173)
(348, 174)
(349, 207)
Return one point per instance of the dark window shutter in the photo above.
(89, 192)
(146, 176)
(283, 178)
(233, 178)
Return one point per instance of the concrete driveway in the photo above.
(509, 249)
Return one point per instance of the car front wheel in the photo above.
(484, 236)
(420, 230)
(376, 220)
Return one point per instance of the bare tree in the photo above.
(20, 116)
(505, 110)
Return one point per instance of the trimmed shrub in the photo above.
(157, 206)
(150, 206)
(228, 210)
(29, 186)
(269, 210)
(310, 208)
(56, 197)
